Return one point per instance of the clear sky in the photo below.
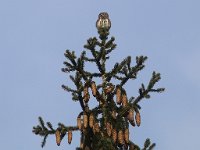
(34, 34)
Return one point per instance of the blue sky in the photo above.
(34, 35)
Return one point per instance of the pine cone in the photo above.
(96, 127)
(124, 100)
(91, 120)
(79, 122)
(69, 136)
(94, 88)
(114, 135)
(131, 115)
(121, 137)
(85, 120)
(86, 95)
(58, 137)
(118, 95)
(108, 128)
(114, 114)
(126, 135)
(138, 118)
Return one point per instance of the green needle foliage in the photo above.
(106, 126)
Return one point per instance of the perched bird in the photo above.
(103, 21)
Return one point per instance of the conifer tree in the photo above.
(106, 126)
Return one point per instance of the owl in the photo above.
(103, 21)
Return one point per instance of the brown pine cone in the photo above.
(114, 114)
(79, 122)
(121, 137)
(91, 120)
(96, 127)
(138, 118)
(93, 88)
(126, 135)
(108, 129)
(118, 95)
(86, 95)
(114, 135)
(85, 120)
(130, 116)
(124, 99)
(69, 136)
(58, 137)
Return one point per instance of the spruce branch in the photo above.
(148, 145)
(42, 130)
(117, 68)
(68, 89)
(144, 93)
(133, 71)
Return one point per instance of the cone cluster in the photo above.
(134, 118)
(119, 137)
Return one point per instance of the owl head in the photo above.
(103, 15)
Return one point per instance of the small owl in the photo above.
(103, 21)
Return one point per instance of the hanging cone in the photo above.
(114, 114)
(58, 137)
(121, 137)
(118, 95)
(126, 135)
(114, 135)
(86, 95)
(124, 99)
(91, 120)
(108, 128)
(69, 136)
(85, 120)
(138, 118)
(96, 127)
(93, 88)
(130, 116)
(79, 122)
